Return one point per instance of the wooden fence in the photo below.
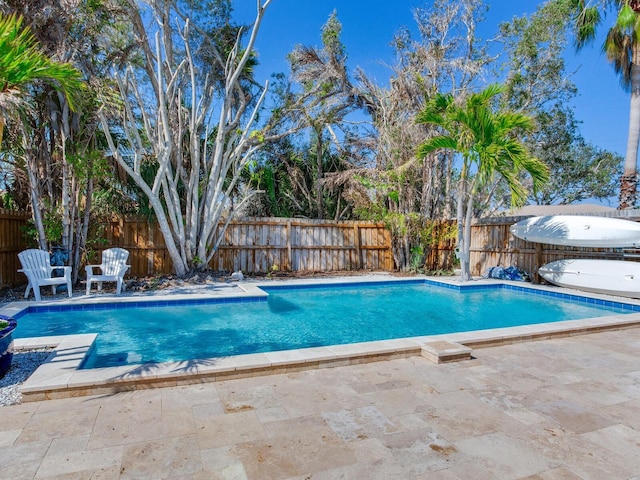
(258, 245)
(12, 242)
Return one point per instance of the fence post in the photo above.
(356, 241)
(151, 264)
(538, 260)
(289, 255)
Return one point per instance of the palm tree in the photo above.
(622, 47)
(22, 63)
(486, 140)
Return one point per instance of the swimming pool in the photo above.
(300, 317)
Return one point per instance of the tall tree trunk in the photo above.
(466, 255)
(319, 147)
(461, 248)
(426, 199)
(31, 165)
(448, 175)
(629, 179)
(65, 200)
(83, 227)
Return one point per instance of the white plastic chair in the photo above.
(36, 265)
(113, 267)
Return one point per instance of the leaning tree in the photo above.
(622, 48)
(538, 84)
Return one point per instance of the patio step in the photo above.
(445, 352)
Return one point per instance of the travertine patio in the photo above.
(560, 408)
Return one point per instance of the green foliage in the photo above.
(587, 22)
(274, 183)
(3, 324)
(95, 243)
(412, 231)
(412, 235)
(538, 84)
(486, 138)
(52, 221)
(417, 259)
(331, 37)
(217, 46)
(7, 201)
(22, 62)
(535, 47)
(621, 44)
(273, 269)
(579, 170)
(257, 135)
(626, 18)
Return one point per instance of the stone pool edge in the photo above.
(59, 376)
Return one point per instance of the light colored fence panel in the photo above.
(254, 245)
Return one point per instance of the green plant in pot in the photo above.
(7, 326)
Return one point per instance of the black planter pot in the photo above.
(6, 345)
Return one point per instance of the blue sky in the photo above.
(369, 25)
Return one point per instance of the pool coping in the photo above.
(60, 377)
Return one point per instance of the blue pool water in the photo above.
(299, 318)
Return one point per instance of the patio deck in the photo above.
(557, 408)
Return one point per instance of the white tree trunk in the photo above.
(462, 248)
(195, 178)
(464, 216)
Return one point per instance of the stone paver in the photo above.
(565, 408)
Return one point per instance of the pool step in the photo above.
(445, 352)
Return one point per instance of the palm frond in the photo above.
(441, 142)
(619, 47)
(22, 62)
(587, 21)
(488, 138)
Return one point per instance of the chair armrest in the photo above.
(89, 268)
(123, 270)
(28, 272)
(66, 268)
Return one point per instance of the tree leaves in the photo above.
(485, 138)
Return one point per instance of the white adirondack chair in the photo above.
(113, 267)
(36, 265)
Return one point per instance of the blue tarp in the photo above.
(509, 273)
